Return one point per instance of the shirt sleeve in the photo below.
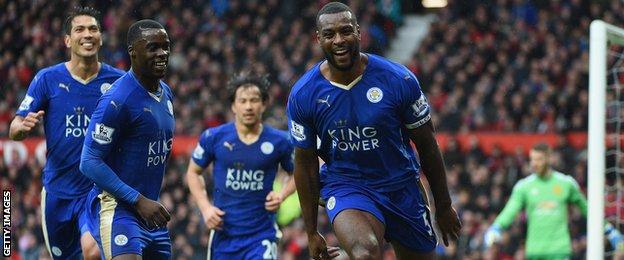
(577, 197)
(299, 124)
(288, 156)
(109, 117)
(36, 97)
(204, 154)
(414, 107)
(513, 206)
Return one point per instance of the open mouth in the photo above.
(160, 65)
(88, 45)
(341, 53)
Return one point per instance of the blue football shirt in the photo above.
(361, 127)
(132, 131)
(243, 175)
(68, 103)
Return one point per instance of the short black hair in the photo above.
(136, 29)
(541, 147)
(245, 79)
(334, 8)
(78, 11)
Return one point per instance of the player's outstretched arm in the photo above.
(22, 126)
(433, 168)
(195, 181)
(505, 218)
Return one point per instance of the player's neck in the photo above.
(248, 134)
(545, 175)
(83, 68)
(149, 83)
(345, 77)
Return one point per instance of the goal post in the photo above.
(601, 57)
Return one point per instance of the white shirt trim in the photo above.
(347, 87)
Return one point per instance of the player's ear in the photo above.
(67, 41)
(318, 37)
(130, 51)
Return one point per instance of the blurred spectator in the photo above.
(511, 65)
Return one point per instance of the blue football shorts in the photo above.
(262, 245)
(118, 230)
(63, 221)
(403, 212)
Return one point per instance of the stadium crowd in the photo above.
(505, 65)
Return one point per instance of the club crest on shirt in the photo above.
(266, 148)
(105, 87)
(103, 134)
(121, 240)
(374, 94)
(557, 190)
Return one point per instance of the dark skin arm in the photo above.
(433, 168)
(308, 186)
(153, 213)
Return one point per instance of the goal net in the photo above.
(606, 120)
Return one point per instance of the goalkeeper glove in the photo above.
(492, 235)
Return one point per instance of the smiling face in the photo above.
(248, 105)
(85, 37)
(150, 54)
(339, 37)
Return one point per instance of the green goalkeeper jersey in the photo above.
(546, 203)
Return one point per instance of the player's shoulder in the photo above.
(121, 89)
(166, 88)
(218, 131)
(305, 83)
(279, 138)
(522, 183)
(562, 177)
(51, 71)
(276, 134)
(109, 71)
(385, 67)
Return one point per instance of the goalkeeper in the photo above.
(545, 195)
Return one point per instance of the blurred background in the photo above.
(500, 75)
